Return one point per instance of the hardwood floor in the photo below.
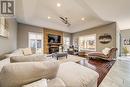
(102, 67)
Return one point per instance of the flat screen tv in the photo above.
(54, 38)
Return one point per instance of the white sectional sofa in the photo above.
(69, 74)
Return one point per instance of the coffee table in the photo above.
(59, 54)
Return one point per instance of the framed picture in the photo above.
(126, 41)
(3, 27)
(105, 39)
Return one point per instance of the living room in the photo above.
(92, 40)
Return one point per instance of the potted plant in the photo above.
(125, 51)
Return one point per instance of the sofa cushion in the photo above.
(56, 82)
(18, 74)
(40, 83)
(29, 58)
(75, 75)
(97, 54)
(27, 51)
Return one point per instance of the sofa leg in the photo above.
(66, 56)
(57, 58)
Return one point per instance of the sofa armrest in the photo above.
(27, 72)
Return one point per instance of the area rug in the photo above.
(71, 58)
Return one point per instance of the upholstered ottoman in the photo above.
(76, 75)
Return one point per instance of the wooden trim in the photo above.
(54, 32)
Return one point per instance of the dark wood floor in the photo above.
(102, 67)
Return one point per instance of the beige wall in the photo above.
(9, 44)
(23, 30)
(109, 28)
(22, 34)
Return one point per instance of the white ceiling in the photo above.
(95, 12)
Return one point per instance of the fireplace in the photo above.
(53, 47)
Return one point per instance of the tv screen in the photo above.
(54, 38)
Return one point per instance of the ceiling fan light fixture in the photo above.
(49, 17)
(83, 19)
(58, 5)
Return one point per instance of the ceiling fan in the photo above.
(65, 21)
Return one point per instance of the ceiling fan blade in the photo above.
(65, 20)
(62, 18)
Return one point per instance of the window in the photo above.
(35, 41)
(66, 42)
(87, 42)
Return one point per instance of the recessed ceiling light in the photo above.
(82, 19)
(58, 4)
(49, 17)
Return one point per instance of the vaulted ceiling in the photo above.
(82, 14)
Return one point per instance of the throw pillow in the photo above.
(19, 74)
(17, 52)
(106, 51)
(27, 51)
